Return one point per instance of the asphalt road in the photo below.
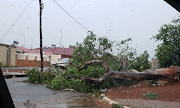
(38, 96)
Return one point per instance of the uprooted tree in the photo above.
(99, 63)
(171, 73)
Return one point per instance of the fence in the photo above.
(21, 56)
(35, 56)
(33, 59)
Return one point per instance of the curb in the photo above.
(105, 98)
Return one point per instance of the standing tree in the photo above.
(168, 53)
(141, 62)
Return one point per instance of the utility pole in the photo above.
(41, 5)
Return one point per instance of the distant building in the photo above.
(50, 54)
(64, 52)
(7, 54)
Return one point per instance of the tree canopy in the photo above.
(168, 52)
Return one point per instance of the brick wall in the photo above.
(30, 63)
(66, 56)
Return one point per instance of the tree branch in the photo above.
(120, 66)
(91, 62)
(172, 73)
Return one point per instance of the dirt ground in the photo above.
(168, 95)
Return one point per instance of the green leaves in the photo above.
(150, 95)
(34, 76)
(1, 63)
(92, 48)
(141, 62)
(125, 41)
(59, 83)
(169, 50)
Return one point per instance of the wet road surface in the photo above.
(38, 96)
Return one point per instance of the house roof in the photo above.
(25, 50)
(48, 50)
(58, 50)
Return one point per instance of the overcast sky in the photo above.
(115, 19)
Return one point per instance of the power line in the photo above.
(17, 19)
(70, 15)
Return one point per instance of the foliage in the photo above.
(87, 72)
(168, 51)
(90, 49)
(1, 63)
(97, 94)
(100, 48)
(59, 83)
(124, 50)
(103, 48)
(151, 95)
(141, 62)
(35, 76)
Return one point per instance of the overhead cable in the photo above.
(17, 19)
(70, 15)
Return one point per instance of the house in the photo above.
(57, 53)
(64, 52)
(7, 54)
(50, 55)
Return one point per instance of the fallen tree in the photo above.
(172, 73)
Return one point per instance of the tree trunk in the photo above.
(172, 73)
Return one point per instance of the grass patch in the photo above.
(116, 106)
(150, 95)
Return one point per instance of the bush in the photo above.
(59, 83)
(56, 83)
(34, 76)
